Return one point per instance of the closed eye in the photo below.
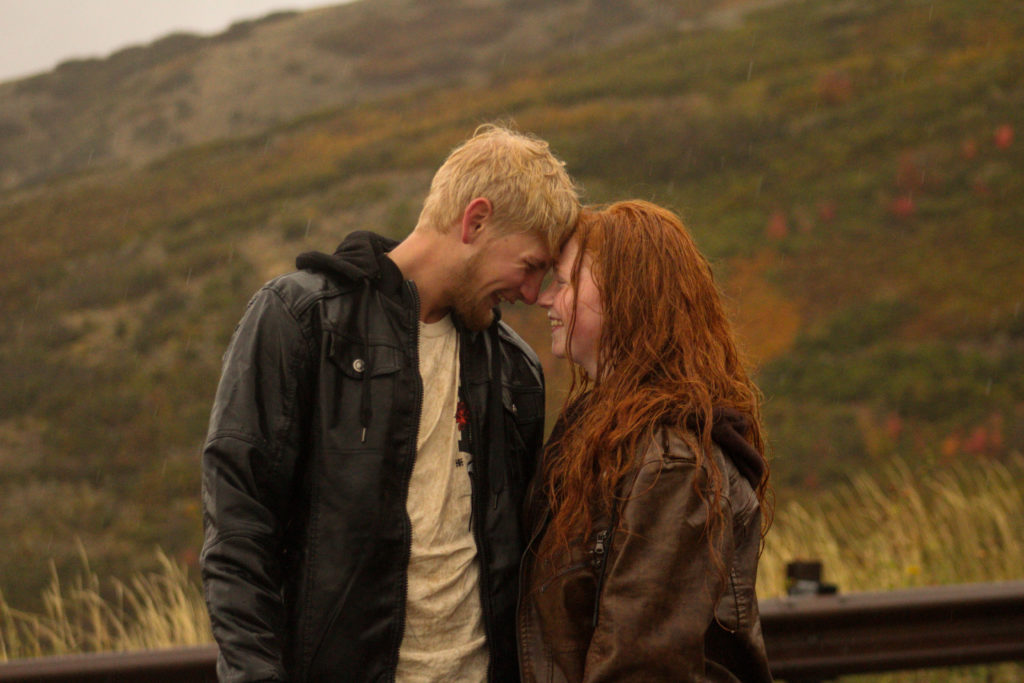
(535, 266)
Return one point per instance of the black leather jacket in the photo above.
(307, 465)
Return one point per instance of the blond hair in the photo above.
(528, 187)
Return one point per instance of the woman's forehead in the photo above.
(567, 255)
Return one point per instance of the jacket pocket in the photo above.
(524, 403)
(353, 358)
(564, 603)
(524, 415)
(358, 393)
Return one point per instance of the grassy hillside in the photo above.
(182, 90)
(851, 168)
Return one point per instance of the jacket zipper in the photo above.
(600, 560)
(408, 479)
(534, 535)
(596, 560)
(485, 603)
(478, 511)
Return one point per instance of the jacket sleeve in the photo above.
(248, 465)
(660, 585)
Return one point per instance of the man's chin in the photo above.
(480, 319)
(477, 319)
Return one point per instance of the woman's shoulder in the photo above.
(668, 444)
(670, 454)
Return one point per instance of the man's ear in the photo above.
(477, 212)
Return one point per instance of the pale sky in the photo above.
(36, 35)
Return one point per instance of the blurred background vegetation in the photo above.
(852, 169)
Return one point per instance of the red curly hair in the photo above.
(666, 359)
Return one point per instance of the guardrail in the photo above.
(824, 636)
(808, 637)
(177, 665)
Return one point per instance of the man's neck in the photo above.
(425, 258)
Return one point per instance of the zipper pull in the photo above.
(599, 547)
(599, 564)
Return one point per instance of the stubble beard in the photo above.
(474, 312)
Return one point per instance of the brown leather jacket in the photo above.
(648, 604)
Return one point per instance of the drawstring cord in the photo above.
(365, 408)
(496, 464)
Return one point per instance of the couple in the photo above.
(378, 500)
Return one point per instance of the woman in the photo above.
(645, 519)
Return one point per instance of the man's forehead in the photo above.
(542, 255)
(532, 246)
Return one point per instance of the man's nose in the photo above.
(531, 288)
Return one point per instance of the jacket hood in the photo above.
(727, 430)
(356, 258)
(359, 258)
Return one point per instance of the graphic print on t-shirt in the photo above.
(464, 458)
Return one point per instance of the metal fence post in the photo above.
(803, 577)
(803, 580)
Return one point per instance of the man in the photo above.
(373, 432)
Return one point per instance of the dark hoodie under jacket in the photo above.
(642, 598)
(307, 465)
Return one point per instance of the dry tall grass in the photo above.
(891, 529)
(898, 528)
(153, 610)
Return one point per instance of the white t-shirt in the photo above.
(444, 632)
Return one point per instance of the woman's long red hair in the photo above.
(666, 359)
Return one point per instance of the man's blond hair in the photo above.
(529, 188)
